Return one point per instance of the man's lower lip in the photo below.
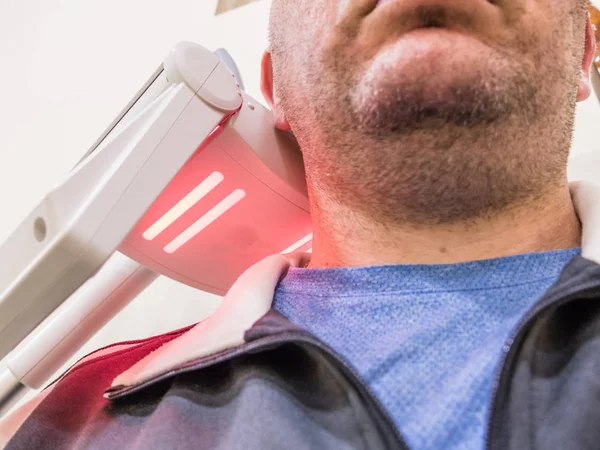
(424, 30)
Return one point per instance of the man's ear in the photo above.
(268, 90)
(585, 86)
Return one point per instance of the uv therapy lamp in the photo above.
(192, 181)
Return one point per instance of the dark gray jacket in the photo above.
(247, 378)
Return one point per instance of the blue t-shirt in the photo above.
(426, 338)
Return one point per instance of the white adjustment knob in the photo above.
(204, 73)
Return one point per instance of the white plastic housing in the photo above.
(82, 221)
(246, 154)
(77, 319)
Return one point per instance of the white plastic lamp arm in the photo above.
(71, 325)
(82, 221)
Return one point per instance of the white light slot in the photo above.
(298, 244)
(309, 250)
(211, 182)
(204, 221)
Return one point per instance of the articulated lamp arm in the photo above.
(80, 223)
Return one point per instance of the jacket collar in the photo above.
(251, 296)
(248, 300)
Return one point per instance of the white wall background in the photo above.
(69, 67)
(585, 155)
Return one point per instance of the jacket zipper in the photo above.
(282, 338)
(514, 342)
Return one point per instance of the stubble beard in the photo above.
(424, 150)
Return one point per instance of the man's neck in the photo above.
(344, 238)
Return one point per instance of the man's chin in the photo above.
(402, 94)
